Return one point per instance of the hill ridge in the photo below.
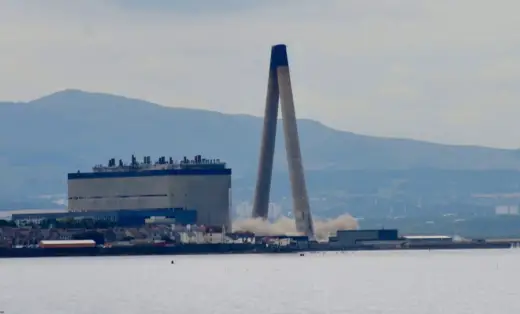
(48, 137)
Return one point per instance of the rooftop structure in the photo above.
(162, 167)
(162, 163)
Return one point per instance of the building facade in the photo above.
(198, 185)
(352, 238)
(123, 218)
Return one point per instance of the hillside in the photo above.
(44, 139)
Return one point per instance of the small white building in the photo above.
(428, 239)
(159, 221)
(506, 210)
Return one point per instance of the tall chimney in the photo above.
(265, 165)
(279, 86)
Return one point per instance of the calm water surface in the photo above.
(471, 282)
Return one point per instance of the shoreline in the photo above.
(224, 249)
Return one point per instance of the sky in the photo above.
(445, 71)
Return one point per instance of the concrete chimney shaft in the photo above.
(279, 87)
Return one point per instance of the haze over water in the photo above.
(459, 282)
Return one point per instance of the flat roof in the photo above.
(295, 237)
(9, 213)
(149, 173)
(103, 213)
(367, 230)
(425, 237)
(381, 241)
(67, 241)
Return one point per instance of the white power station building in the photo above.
(199, 184)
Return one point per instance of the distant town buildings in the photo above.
(506, 210)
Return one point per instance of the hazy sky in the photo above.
(440, 70)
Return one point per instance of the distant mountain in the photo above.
(44, 139)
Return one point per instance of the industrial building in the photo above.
(123, 218)
(195, 191)
(199, 184)
(354, 238)
(428, 239)
(385, 238)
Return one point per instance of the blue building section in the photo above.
(373, 234)
(149, 173)
(186, 217)
(388, 234)
(351, 238)
(123, 218)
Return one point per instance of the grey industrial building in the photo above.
(192, 191)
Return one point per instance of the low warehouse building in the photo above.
(66, 244)
(428, 239)
(355, 238)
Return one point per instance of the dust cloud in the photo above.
(286, 226)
